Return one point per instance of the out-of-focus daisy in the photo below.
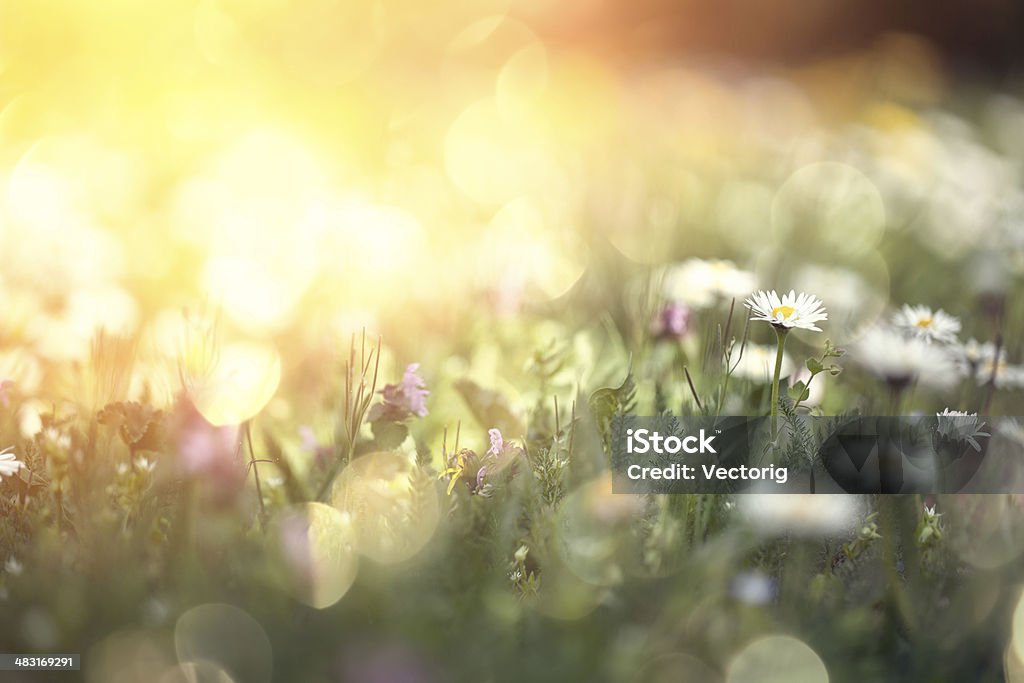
(981, 362)
(801, 514)
(1011, 377)
(788, 311)
(700, 282)
(851, 299)
(847, 289)
(754, 588)
(924, 323)
(9, 465)
(758, 361)
(974, 353)
(899, 360)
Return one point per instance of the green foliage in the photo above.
(489, 408)
(608, 402)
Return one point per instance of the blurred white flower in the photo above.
(19, 369)
(924, 323)
(9, 465)
(801, 514)
(144, 464)
(900, 360)
(700, 282)
(56, 440)
(757, 363)
(753, 588)
(791, 310)
(848, 294)
(981, 362)
(975, 353)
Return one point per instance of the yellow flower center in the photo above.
(924, 322)
(786, 311)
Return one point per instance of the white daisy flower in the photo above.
(900, 360)
(955, 425)
(791, 310)
(946, 412)
(9, 466)
(974, 353)
(924, 323)
(980, 361)
(701, 282)
(1012, 377)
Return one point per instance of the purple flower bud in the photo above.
(415, 390)
(497, 443)
(402, 400)
(672, 321)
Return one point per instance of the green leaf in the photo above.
(607, 402)
(388, 435)
(490, 408)
(799, 392)
(138, 425)
(832, 351)
(815, 366)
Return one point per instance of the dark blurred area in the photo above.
(976, 36)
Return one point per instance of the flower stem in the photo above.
(889, 509)
(256, 477)
(780, 333)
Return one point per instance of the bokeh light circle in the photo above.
(777, 659)
(522, 253)
(595, 539)
(677, 668)
(493, 159)
(394, 508)
(240, 383)
(226, 636)
(317, 545)
(195, 672)
(986, 532)
(126, 657)
(828, 207)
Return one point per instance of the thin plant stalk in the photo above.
(256, 477)
(360, 388)
(890, 522)
(780, 334)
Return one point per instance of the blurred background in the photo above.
(309, 168)
(550, 208)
